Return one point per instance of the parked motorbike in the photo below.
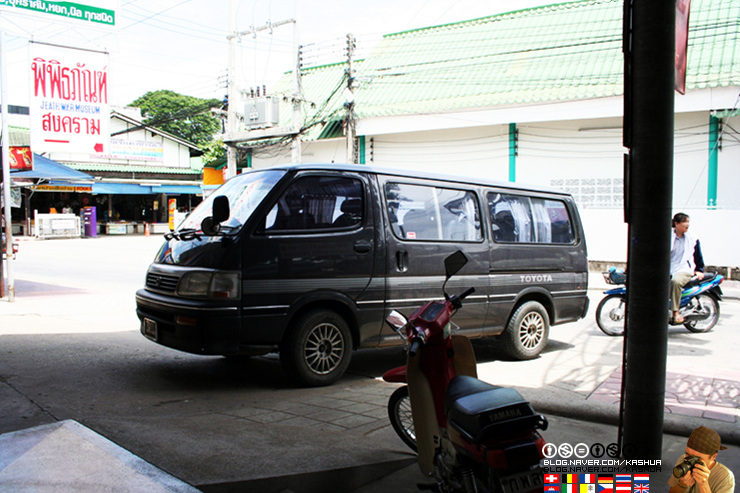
(699, 303)
(470, 436)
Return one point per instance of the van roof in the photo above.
(414, 174)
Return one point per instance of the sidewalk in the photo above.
(337, 439)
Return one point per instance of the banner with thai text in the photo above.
(134, 150)
(69, 100)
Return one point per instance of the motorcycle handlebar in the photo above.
(416, 344)
(456, 300)
(466, 293)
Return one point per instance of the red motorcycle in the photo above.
(470, 436)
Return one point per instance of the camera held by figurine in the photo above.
(687, 465)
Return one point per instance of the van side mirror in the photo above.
(221, 209)
(221, 212)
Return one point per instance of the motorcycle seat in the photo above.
(479, 410)
(696, 281)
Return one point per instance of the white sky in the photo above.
(182, 45)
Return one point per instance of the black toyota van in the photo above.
(306, 260)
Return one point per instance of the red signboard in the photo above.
(682, 43)
(21, 158)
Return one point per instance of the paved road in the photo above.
(70, 349)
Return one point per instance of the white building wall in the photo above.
(327, 151)
(476, 152)
(584, 158)
(607, 234)
(317, 151)
(728, 177)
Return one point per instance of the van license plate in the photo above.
(150, 328)
(531, 480)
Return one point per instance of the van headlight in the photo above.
(218, 285)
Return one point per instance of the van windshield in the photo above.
(245, 192)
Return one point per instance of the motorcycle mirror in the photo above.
(454, 263)
(396, 320)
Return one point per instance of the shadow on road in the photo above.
(32, 288)
(373, 363)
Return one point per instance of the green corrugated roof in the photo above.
(127, 168)
(554, 53)
(18, 136)
(560, 52)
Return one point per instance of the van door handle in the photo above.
(402, 259)
(363, 246)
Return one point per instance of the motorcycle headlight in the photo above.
(222, 285)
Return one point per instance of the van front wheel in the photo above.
(527, 332)
(317, 350)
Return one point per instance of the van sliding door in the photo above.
(536, 247)
(426, 222)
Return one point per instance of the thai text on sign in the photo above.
(69, 93)
(71, 10)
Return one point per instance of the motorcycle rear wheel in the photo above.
(399, 413)
(710, 306)
(611, 314)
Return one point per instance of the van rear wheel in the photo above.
(527, 332)
(317, 350)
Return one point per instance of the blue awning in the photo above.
(178, 189)
(121, 188)
(136, 189)
(46, 169)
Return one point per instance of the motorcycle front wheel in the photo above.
(399, 412)
(611, 314)
(702, 305)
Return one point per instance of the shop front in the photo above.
(117, 208)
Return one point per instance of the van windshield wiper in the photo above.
(183, 234)
(189, 234)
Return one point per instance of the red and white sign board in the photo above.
(682, 43)
(69, 100)
(21, 158)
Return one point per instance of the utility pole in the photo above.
(649, 48)
(295, 144)
(6, 175)
(233, 90)
(233, 94)
(350, 100)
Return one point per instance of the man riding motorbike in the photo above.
(686, 261)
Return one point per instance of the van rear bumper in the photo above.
(193, 326)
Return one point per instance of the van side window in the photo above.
(519, 219)
(315, 203)
(429, 213)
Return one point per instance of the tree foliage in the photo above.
(187, 117)
(213, 150)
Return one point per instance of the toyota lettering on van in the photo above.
(535, 278)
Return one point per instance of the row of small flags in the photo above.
(601, 483)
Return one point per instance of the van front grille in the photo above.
(161, 282)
